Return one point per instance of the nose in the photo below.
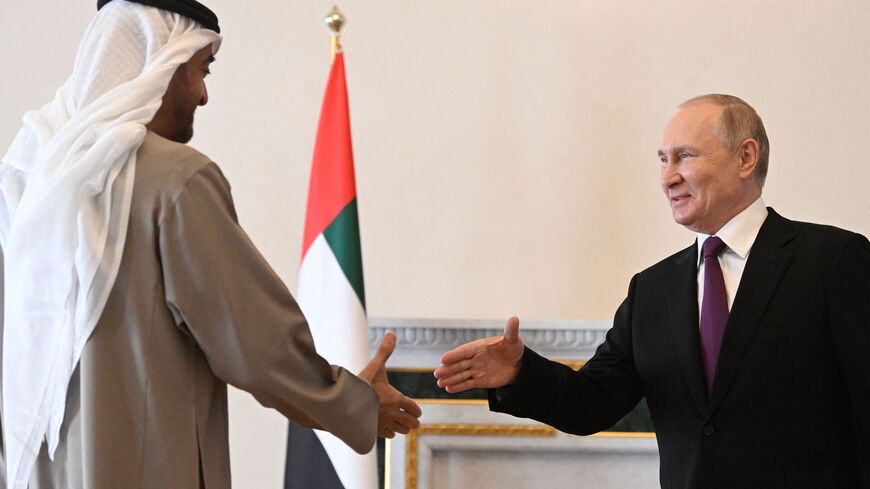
(204, 98)
(669, 176)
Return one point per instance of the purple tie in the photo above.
(714, 308)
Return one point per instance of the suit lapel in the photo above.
(767, 261)
(683, 309)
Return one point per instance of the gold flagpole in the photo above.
(335, 20)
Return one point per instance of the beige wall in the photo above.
(505, 149)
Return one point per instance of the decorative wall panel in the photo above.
(462, 444)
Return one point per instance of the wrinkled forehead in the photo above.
(694, 123)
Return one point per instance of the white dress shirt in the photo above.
(738, 234)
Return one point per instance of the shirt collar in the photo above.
(740, 232)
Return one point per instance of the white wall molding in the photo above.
(423, 341)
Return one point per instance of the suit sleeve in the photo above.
(222, 292)
(579, 402)
(849, 320)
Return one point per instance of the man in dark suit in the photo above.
(750, 345)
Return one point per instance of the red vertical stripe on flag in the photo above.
(332, 185)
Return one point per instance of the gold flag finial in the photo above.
(335, 20)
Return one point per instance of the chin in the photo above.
(681, 219)
(696, 228)
(687, 222)
(182, 136)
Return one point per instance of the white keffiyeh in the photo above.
(65, 192)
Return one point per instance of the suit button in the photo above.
(708, 430)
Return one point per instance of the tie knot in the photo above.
(712, 247)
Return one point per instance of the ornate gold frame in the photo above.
(412, 439)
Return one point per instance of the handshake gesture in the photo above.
(485, 363)
(396, 412)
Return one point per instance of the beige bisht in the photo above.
(194, 307)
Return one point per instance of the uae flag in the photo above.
(331, 293)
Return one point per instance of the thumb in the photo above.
(385, 348)
(512, 330)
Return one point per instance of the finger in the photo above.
(448, 370)
(379, 360)
(462, 352)
(410, 407)
(453, 379)
(462, 376)
(385, 348)
(388, 433)
(406, 420)
(404, 429)
(461, 386)
(512, 329)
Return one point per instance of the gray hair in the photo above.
(738, 122)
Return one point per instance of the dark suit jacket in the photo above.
(790, 406)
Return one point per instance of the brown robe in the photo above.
(195, 307)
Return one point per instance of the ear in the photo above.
(748, 154)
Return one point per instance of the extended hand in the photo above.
(490, 362)
(396, 413)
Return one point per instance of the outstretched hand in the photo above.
(486, 363)
(396, 413)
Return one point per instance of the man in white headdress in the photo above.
(131, 296)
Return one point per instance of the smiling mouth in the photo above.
(678, 199)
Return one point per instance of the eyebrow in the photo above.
(678, 149)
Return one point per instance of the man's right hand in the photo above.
(396, 412)
(487, 363)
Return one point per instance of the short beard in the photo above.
(183, 135)
(184, 131)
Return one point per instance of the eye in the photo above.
(663, 159)
(685, 154)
